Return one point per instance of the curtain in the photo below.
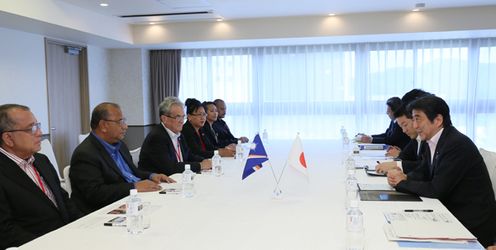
(165, 69)
(316, 89)
(84, 91)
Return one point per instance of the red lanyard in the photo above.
(38, 178)
(178, 152)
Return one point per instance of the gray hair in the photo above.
(6, 122)
(165, 107)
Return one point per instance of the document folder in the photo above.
(383, 195)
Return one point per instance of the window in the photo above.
(316, 89)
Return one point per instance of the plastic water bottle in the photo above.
(265, 136)
(344, 137)
(355, 232)
(351, 188)
(134, 216)
(239, 151)
(350, 164)
(356, 149)
(217, 164)
(188, 185)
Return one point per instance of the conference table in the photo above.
(229, 213)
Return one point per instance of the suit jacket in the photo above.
(194, 141)
(459, 178)
(25, 211)
(410, 156)
(224, 135)
(159, 155)
(95, 178)
(211, 135)
(393, 136)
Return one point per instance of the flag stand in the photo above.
(277, 193)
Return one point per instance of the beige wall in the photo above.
(129, 83)
(23, 73)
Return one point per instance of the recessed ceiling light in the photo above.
(418, 7)
(151, 23)
(331, 14)
(104, 4)
(219, 19)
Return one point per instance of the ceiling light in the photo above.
(104, 4)
(331, 14)
(220, 19)
(418, 7)
(151, 23)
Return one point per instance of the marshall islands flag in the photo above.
(256, 157)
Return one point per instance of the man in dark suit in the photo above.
(393, 135)
(32, 203)
(102, 169)
(224, 135)
(164, 149)
(410, 156)
(452, 170)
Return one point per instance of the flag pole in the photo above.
(277, 193)
(282, 172)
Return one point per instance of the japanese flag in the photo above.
(296, 158)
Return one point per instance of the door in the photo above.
(64, 98)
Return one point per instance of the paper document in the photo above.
(370, 146)
(426, 226)
(366, 162)
(171, 188)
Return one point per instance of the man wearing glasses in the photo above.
(164, 150)
(102, 169)
(32, 203)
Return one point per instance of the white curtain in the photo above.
(316, 89)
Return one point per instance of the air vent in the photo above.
(185, 4)
(189, 13)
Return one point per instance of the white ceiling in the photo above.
(241, 9)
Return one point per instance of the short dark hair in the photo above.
(192, 105)
(412, 95)
(6, 122)
(206, 104)
(394, 103)
(401, 111)
(432, 106)
(100, 112)
(217, 101)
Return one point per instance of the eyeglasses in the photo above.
(178, 118)
(200, 114)
(121, 122)
(32, 130)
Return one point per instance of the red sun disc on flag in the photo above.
(302, 160)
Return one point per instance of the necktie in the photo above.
(178, 152)
(431, 163)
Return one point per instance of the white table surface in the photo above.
(228, 213)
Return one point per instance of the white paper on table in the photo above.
(428, 226)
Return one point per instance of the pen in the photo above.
(419, 210)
